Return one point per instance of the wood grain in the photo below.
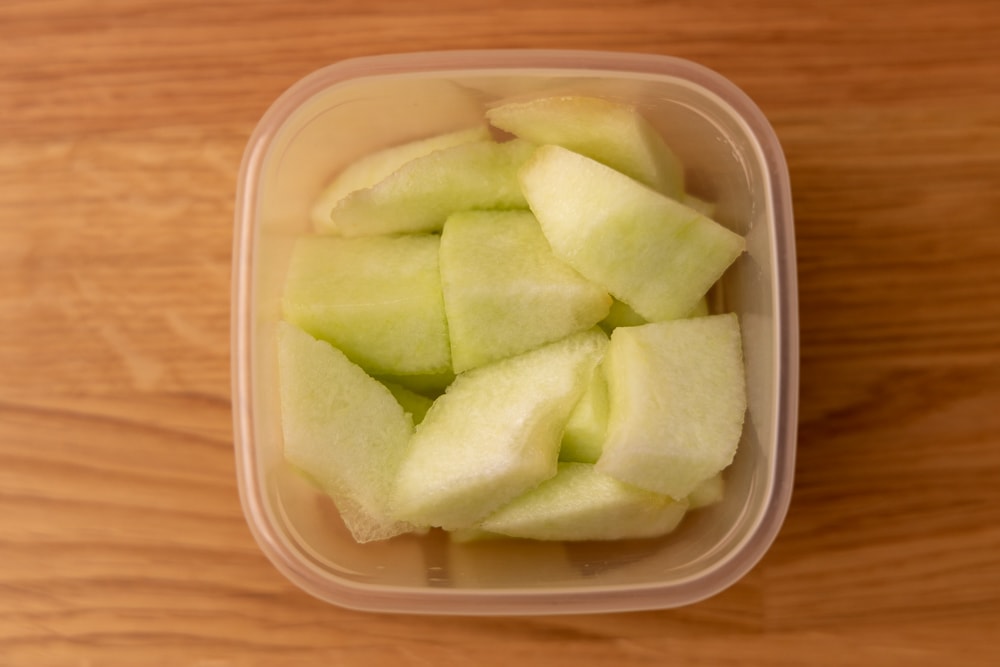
(122, 124)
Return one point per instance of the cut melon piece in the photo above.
(505, 292)
(581, 503)
(421, 194)
(494, 434)
(375, 167)
(677, 398)
(610, 132)
(588, 423)
(655, 254)
(343, 429)
(376, 299)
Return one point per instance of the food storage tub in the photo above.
(351, 108)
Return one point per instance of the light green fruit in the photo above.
(588, 423)
(494, 434)
(610, 132)
(655, 254)
(375, 167)
(414, 404)
(709, 492)
(581, 503)
(505, 292)
(677, 398)
(377, 299)
(421, 194)
(343, 429)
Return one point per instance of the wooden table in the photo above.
(122, 125)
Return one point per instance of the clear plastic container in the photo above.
(353, 107)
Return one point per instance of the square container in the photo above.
(732, 157)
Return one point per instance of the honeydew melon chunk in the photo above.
(375, 167)
(343, 429)
(377, 299)
(585, 430)
(655, 254)
(414, 404)
(709, 492)
(677, 399)
(494, 434)
(505, 292)
(582, 503)
(613, 133)
(421, 194)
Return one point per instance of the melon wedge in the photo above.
(610, 132)
(655, 254)
(581, 503)
(376, 299)
(494, 434)
(343, 429)
(677, 400)
(375, 167)
(421, 194)
(505, 292)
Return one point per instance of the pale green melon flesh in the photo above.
(494, 434)
(343, 429)
(581, 503)
(655, 254)
(505, 292)
(588, 423)
(421, 194)
(376, 299)
(677, 398)
(375, 167)
(610, 132)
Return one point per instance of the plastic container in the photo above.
(353, 107)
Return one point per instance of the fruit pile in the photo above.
(503, 331)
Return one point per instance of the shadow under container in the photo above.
(732, 158)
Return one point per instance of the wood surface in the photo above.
(122, 125)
